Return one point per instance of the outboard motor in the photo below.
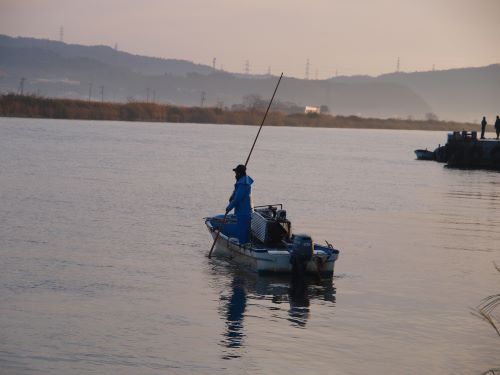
(301, 252)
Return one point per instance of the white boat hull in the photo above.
(266, 260)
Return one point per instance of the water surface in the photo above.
(103, 253)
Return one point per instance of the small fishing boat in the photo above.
(273, 248)
(425, 154)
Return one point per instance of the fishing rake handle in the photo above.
(263, 119)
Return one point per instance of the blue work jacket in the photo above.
(241, 199)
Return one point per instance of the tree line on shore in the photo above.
(13, 105)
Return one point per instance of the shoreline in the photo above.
(19, 106)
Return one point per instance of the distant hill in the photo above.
(107, 55)
(467, 93)
(63, 70)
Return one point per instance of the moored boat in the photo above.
(273, 248)
(425, 154)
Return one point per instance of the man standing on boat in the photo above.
(241, 201)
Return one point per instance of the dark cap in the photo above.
(240, 169)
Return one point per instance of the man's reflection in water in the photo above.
(236, 304)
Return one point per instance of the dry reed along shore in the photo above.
(12, 105)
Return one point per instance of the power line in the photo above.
(61, 34)
(90, 91)
(21, 86)
(220, 103)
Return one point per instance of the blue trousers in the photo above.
(243, 228)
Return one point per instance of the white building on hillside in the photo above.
(311, 109)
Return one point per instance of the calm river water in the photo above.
(103, 265)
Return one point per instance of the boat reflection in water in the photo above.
(269, 297)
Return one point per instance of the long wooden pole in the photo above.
(248, 158)
(264, 119)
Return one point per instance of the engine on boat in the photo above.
(270, 225)
(301, 252)
(302, 246)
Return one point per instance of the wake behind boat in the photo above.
(272, 247)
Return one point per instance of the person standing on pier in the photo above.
(483, 126)
(497, 126)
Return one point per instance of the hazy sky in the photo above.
(351, 36)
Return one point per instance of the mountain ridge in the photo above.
(463, 94)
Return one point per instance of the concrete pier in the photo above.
(465, 150)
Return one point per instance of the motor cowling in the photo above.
(301, 252)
